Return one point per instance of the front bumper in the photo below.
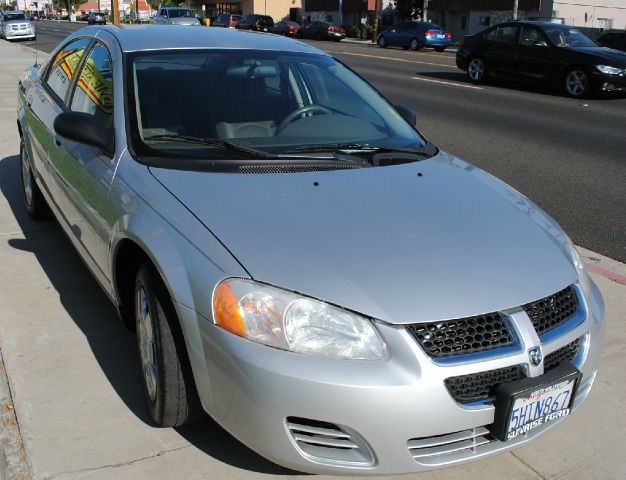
(386, 409)
(21, 34)
(609, 83)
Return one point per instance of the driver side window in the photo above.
(530, 36)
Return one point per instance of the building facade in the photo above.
(339, 12)
(466, 17)
(277, 9)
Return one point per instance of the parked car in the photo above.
(415, 36)
(258, 23)
(322, 31)
(14, 24)
(298, 260)
(96, 18)
(176, 16)
(543, 53)
(287, 28)
(226, 20)
(615, 40)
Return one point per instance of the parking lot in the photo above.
(72, 368)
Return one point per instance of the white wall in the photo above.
(573, 12)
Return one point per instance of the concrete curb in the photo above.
(13, 465)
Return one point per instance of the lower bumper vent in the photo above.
(562, 355)
(481, 386)
(451, 447)
(328, 442)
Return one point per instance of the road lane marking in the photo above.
(392, 58)
(456, 84)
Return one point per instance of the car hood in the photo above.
(386, 242)
(603, 53)
(16, 22)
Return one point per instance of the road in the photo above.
(569, 156)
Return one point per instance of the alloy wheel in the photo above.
(413, 45)
(476, 69)
(576, 83)
(382, 42)
(27, 178)
(147, 346)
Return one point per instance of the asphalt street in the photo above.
(568, 156)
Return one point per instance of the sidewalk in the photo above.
(75, 384)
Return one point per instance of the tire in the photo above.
(382, 43)
(440, 49)
(34, 202)
(414, 45)
(576, 83)
(477, 70)
(169, 387)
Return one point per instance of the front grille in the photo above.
(562, 355)
(329, 442)
(447, 448)
(480, 386)
(550, 312)
(462, 336)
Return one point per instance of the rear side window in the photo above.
(490, 34)
(64, 65)
(507, 34)
(93, 93)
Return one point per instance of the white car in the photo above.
(15, 24)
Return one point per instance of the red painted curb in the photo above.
(592, 267)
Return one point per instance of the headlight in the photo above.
(579, 264)
(285, 320)
(609, 70)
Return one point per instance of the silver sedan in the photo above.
(297, 260)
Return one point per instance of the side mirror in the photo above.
(540, 44)
(83, 128)
(406, 113)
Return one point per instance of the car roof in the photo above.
(537, 24)
(132, 38)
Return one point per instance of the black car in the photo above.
(414, 36)
(259, 23)
(322, 31)
(616, 40)
(96, 18)
(286, 28)
(544, 53)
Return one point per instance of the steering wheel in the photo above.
(301, 111)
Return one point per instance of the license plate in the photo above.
(265, 29)
(528, 404)
(441, 36)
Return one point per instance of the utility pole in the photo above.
(377, 9)
(515, 4)
(340, 19)
(425, 11)
(115, 11)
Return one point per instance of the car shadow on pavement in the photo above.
(506, 84)
(113, 346)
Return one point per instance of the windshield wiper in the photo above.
(212, 142)
(347, 148)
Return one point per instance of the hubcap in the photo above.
(413, 44)
(476, 69)
(147, 350)
(27, 180)
(576, 82)
(381, 41)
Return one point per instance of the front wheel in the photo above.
(382, 43)
(576, 83)
(169, 387)
(36, 205)
(477, 70)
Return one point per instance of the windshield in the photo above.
(180, 13)
(14, 16)
(270, 101)
(568, 37)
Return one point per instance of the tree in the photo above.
(407, 8)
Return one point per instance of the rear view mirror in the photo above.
(83, 128)
(406, 113)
